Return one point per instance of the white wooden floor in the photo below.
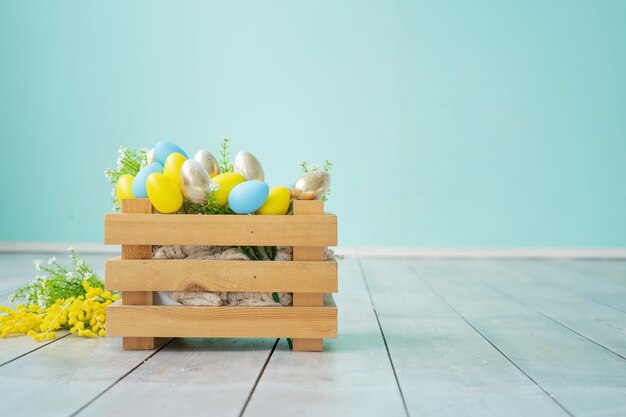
(416, 337)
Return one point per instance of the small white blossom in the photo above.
(214, 187)
(71, 249)
(52, 260)
(37, 266)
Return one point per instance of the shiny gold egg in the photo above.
(194, 181)
(208, 161)
(248, 166)
(311, 186)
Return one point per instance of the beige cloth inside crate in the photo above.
(204, 298)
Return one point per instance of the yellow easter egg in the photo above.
(172, 166)
(124, 187)
(277, 201)
(226, 182)
(164, 193)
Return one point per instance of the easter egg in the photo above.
(124, 187)
(208, 161)
(163, 149)
(139, 183)
(248, 166)
(194, 181)
(311, 186)
(277, 201)
(164, 193)
(248, 196)
(172, 166)
(225, 183)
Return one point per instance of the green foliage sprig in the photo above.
(58, 282)
(224, 162)
(209, 206)
(129, 161)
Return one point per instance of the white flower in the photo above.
(71, 249)
(52, 260)
(80, 263)
(37, 266)
(213, 186)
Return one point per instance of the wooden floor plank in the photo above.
(539, 290)
(444, 366)
(189, 377)
(61, 377)
(602, 282)
(15, 346)
(352, 377)
(585, 378)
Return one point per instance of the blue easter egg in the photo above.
(139, 183)
(163, 149)
(248, 196)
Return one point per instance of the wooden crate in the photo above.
(143, 325)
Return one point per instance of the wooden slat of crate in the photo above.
(222, 230)
(140, 297)
(191, 321)
(219, 275)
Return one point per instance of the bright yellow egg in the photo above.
(124, 187)
(164, 193)
(277, 201)
(172, 166)
(226, 182)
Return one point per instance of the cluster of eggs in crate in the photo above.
(170, 177)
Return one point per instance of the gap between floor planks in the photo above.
(119, 380)
(584, 376)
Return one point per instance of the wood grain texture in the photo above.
(308, 253)
(222, 230)
(224, 321)
(530, 284)
(584, 377)
(352, 377)
(61, 377)
(445, 368)
(189, 377)
(138, 205)
(218, 275)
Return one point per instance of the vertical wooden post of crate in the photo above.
(308, 253)
(138, 206)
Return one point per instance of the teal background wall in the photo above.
(451, 123)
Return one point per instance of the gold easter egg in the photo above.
(208, 161)
(311, 186)
(194, 181)
(248, 166)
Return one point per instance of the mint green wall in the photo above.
(451, 123)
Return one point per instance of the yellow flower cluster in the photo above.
(82, 315)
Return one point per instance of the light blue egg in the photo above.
(163, 149)
(248, 196)
(139, 183)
